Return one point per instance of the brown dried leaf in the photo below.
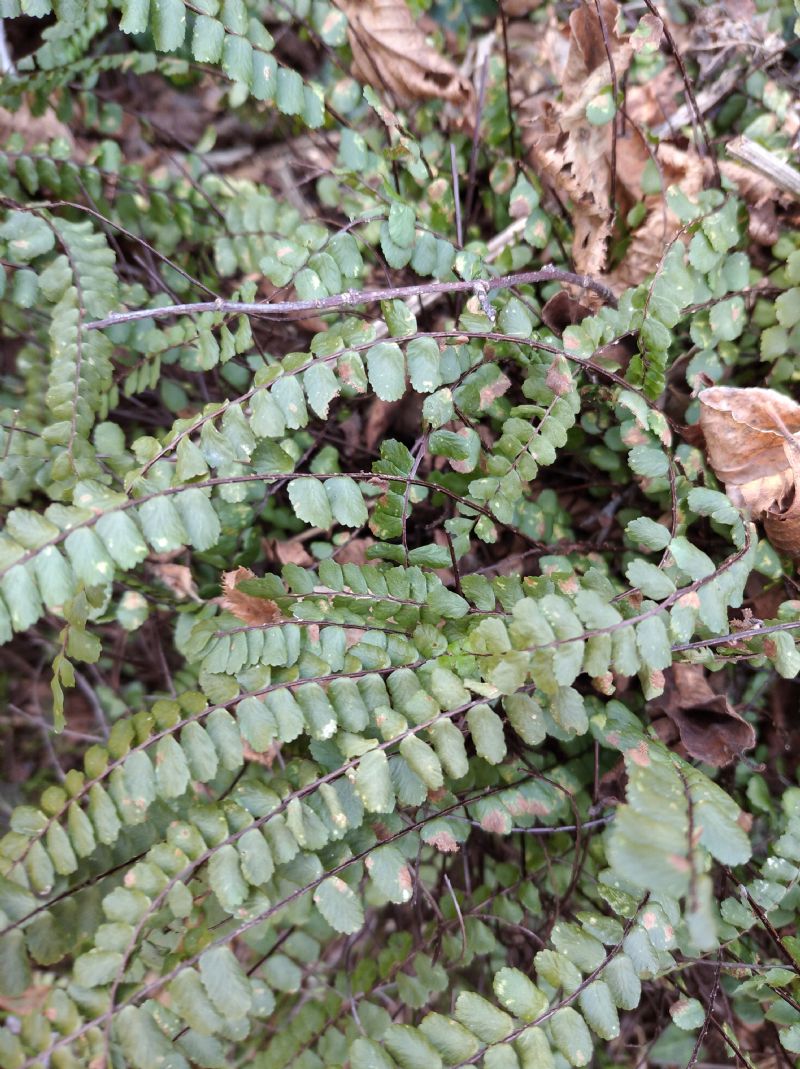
(246, 607)
(380, 416)
(753, 444)
(710, 728)
(653, 102)
(354, 551)
(390, 52)
(402, 416)
(648, 242)
(33, 129)
(562, 310)
(569, 152)
(290, 551)
(177, 578)
(537, 55)
(726, 27)
(616, 355)
(612, 787)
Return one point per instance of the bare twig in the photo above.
(737, 636)
(352, 298)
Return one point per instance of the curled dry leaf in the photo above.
(246, 607)
(571, 153)
(562, 310)
(176, 577)
(660, 225)
(753, 444)
(390, 52)
(709, 727)
(574, 156)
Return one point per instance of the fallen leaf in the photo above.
(645, 249)
(177, 578)
(753, 444)
(655, 101)
(572, 154)
(402, 416)
(380, 416)
(612, 786)
(709, 727)
(616, 355)
(246, 607)
(562, 311)
(290, 551)
(725, 26)
(34, 129)
(390, 52)
(763, 598)
(354, 551)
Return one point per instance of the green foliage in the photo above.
(378, 815)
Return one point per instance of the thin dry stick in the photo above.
(737, 636)
(351, 298)
(496, 246)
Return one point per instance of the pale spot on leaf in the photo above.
(640, 755)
